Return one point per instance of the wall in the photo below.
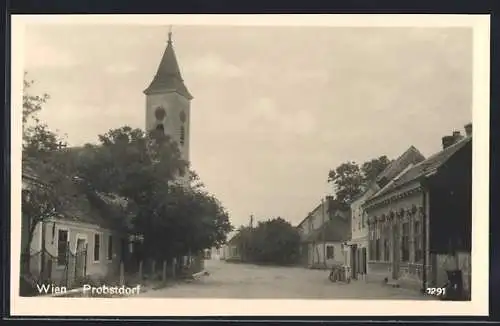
(232, 252)
(378, 270)
(318, 255)
(359, 227)
(173, 104)
(217, 254)
(102, 268)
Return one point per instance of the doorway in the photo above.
(80, 257)
(354, 262)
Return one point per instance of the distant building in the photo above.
(232, 250)
(323, 233)
(215, 253)
(420, 222)
(358, 246)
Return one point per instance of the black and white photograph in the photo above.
(306, 160)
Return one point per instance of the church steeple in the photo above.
(168, 76)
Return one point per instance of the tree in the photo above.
(274, 241)
(349, 179)
(371, 169)
(41, 199)
(172, 219)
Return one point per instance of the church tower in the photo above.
(168, 101)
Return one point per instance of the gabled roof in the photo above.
(335, 229)
(168, 76)
(423, 168)
(410, 156)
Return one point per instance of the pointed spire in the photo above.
(168, 76)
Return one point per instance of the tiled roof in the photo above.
(168, 76)
(335, 229)
(424, 167)
(410, 156)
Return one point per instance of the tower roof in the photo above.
(168, 76)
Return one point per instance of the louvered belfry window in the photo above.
(182, 136)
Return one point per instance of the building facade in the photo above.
(421, 220)
(323, 233)
(80, 240)
(357, 251)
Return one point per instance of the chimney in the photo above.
(468, 129)
(448, 141)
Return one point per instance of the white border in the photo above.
(233, 307)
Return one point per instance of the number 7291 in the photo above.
(436, 291)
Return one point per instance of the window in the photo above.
(372, 243)
(406, 242)
(378, 243)
(97, 246)
(418, 242)
(182, 136)
(329, 252)
(387, 234)
(110, 247)
(62, 247)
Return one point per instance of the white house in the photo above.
(217, 253)
(323, 233)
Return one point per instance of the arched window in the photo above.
(182, 135)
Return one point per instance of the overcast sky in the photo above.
(275, 107)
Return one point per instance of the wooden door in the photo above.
(80, 258)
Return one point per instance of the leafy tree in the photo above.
(274, 241)
(371, 169)
(41, 199)
(173, 219)
(349, 179)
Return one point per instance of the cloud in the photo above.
(120, 68)
(213, 66)
(39, 53)
(266, 111)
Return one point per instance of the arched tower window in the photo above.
(160, 129)
(182, 135)
(160, 113)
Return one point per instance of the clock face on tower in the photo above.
(160, 113)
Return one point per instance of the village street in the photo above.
(244, 281)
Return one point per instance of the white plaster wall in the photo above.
(173, 103)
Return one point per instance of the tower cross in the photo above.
(170, 34)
